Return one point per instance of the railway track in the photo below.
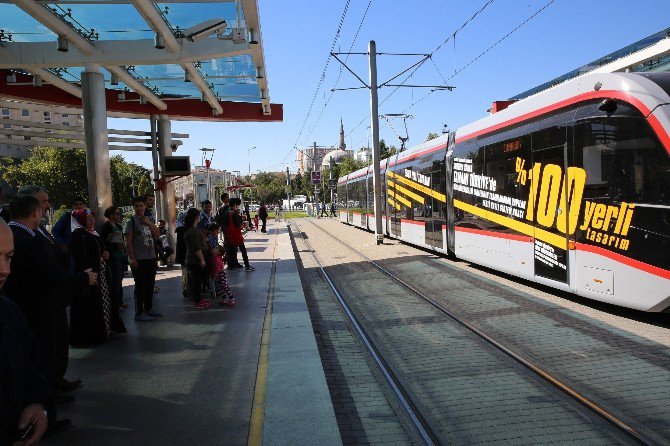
(575, 418)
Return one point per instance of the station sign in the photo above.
(332, 184)
(316, 177)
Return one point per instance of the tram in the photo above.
(569, 188)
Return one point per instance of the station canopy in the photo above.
(192, 60)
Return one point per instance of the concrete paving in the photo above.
(190, 376)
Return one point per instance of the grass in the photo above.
(288, 214)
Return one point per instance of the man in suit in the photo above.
(58, 260)
(23, 389)
(31, 286)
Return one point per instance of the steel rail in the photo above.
(418, 423)
(590, 405)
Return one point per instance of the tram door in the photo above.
(395, 212)
(449, 193)
(550, 260)
(435, 207)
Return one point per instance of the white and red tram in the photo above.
(569, 188)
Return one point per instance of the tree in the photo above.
(298, 185)
(63, 173)
(122, 174)
(347, 166)
(432, 135)
(144, 186)
(386, 151)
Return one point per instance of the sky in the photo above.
(297, 37)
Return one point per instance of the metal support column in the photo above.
(330, 177)
(316, 188)
(154, 156)
(374, 116)
(167, 195)
(95, 135)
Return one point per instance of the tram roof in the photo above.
(226, 70)
(656, 63)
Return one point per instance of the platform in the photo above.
(209, 376)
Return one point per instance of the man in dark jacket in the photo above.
(36, 298)
(222, 214)
(263, 215)
(58, 260)
(23, 389)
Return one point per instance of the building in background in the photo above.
(311, 158)
(202, 184)
(21, 124)
(363, 154)
(22, 127)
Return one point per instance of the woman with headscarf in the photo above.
(112, 234)
(93, 317)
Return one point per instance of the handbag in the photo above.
(233, 233)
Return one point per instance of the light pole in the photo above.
(236, 181)
(207, 163)
(249, 159)
(316, 187)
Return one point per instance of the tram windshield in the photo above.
(624, 161)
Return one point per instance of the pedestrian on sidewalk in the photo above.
(196, 250)
(140, 233)
(263, 215)
(94, 314)
(218, 272)
(24, 388)
(235, 238)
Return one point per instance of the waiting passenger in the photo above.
(94, 314)
(196, 249)
(223, 291)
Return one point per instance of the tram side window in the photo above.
(342, 197)
(355, 196)
(504, 161)
(624, 161)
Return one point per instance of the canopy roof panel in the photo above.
(149, 48)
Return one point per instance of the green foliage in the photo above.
(122, 174)
(144, 186)
(270, 188)
(299, 185)
(63, 173)
(386, 151)
(432, 136)
(347, 166)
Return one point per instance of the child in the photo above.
(213, 229)
(256, 222)
(220, 277)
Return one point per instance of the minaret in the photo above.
(342, 144)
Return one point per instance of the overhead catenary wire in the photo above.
(484, 52)
(360, 25)
(323, 72)
(451, 36)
